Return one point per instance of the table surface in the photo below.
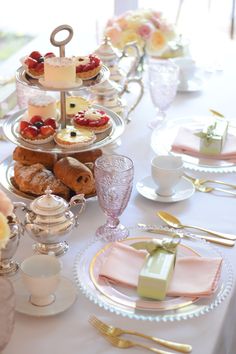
(212, 333)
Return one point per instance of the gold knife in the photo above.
(156, 230)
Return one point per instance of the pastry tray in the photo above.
(8, 183)
(25, 79)
(10, 129)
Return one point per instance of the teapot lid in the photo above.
(108, 87)
(106, 51)
(48, 204)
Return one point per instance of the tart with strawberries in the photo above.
(34, 63)
(95, 120)
(37, 130)
(88, 67)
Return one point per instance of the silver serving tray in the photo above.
(27, 80)
(7, 180)
(10, 129)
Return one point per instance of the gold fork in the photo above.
(200, 181)
(205, 189)
(124, 344)
(114, 331)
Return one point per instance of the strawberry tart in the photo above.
(95, 120)
(88, 67)
(34, 63)
(37, 130)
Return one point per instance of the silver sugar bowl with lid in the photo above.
(49, 221)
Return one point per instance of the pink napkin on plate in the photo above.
(186, 142)
(193, 276)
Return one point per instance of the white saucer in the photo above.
(66, 295)
(147, 188)
(193, 85)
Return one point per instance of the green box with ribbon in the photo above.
(158, 268)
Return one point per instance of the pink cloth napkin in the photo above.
(188, 143)
(193, 276)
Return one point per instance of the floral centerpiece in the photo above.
(149, 29)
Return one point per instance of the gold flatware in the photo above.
(156, 230)
(206, 189)
(216, 113)
(110, 330)
(176, 224)
(124, 344)
(201, 181)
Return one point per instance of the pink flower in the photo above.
(144, 31)
(114, 33)
(110, 22)
(6, 206)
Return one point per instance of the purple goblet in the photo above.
(114, 180)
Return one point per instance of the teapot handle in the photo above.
(125, 89)
(75, 200)
(134, 66)
(21, 205)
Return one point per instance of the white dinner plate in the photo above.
(183, 190)
(65, 294)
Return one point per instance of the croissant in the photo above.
(75, 175)
(85, 156)
(36, 178)
(29, 157)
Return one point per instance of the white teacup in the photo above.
(166, 173)
(187, 70)
(41, 276)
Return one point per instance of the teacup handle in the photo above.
(134, 66)
(141, 92)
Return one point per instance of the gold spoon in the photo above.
(176, 224)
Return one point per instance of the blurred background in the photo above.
(201, 20)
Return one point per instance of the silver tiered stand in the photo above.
(11, 130)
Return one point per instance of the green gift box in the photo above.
(213, 136)
(157, 271)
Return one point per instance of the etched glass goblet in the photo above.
(114, 180)
(7, 311)
(163, 78)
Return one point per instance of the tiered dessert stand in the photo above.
(11, 125)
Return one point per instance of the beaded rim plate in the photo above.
(10, 128)
(25, 79)
(163, 137)
(125, 302)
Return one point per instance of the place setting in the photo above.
(105, 274)
(205, 143)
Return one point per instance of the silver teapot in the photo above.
(49, 221)
(8, 266)
(111, 57)
(109, 94)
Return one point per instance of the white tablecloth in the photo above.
(212, 333)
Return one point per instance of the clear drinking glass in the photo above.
(114, 180)
(7, 311)
(163, 76)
